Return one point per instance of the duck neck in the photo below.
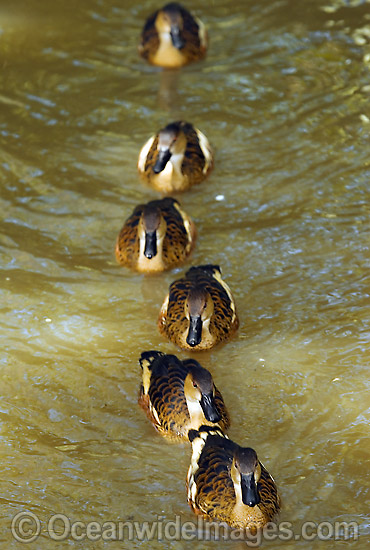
(236, 479)
(197, 417)
(240, 510)
(238, 494)
(167, 55)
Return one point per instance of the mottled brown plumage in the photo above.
(172, 37)
(179, 395)
(157, 236)
(176, 158)
(226, 482)
(199, 310)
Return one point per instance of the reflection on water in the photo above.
(283, 96)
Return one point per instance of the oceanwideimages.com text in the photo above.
(26, 527)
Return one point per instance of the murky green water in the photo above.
(284, 98)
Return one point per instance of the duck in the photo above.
(175, 158)
(199, 310)
(179, 395)
(227, 482)
(157, 236)
(172, 37)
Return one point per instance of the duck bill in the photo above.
(176, 38)
(150, 249)
(195, 331)
(207, 403)
(250, 495)
(164, 156)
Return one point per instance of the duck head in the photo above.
(199, 390)
(151, 230)
(245, 473)
(198, 309)
(171, 142)
(169, 21)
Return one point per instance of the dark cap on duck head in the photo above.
(197, 300)
(151, 217)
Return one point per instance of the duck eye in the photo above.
(195, 385)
